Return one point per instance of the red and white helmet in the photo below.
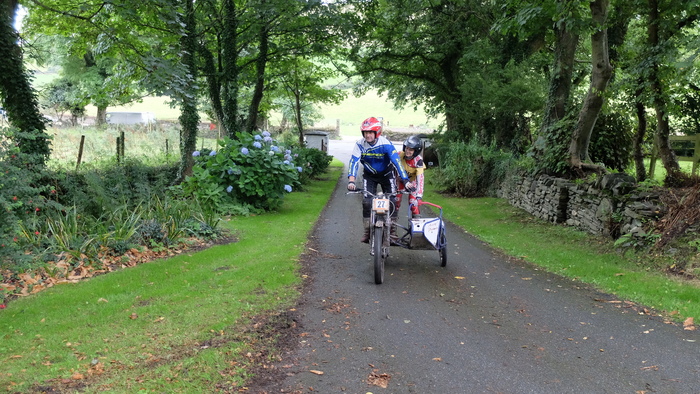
(372, 124)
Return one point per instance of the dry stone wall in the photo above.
(609, 206)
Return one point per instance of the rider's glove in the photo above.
(410, 187)
(351, 186)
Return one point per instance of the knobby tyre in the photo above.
(378, 246)
(443, 249)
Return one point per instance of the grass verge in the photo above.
(571, 253)
(175, 325)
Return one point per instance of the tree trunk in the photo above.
(600, 76)
(297, 113)
(452, 122)
(641, 132)
(663, 145)
(189, 116)
(101, 118)
(213, 87)
(559, 91)
(18, 96)
(561, 81)
(230, 68)
(260, 65)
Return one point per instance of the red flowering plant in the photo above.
(3, 297)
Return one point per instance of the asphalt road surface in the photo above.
(485, 323)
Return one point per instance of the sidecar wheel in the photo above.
(443, 250)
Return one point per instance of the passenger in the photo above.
(412, 163)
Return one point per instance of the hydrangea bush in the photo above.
(253, 171)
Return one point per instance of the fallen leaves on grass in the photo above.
(67, 268)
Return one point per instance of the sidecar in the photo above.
(426, 234)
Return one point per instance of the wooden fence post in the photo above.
(80, 152)
(122, 146)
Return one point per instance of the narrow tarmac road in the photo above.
(486, 323)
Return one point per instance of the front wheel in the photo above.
(379, 256)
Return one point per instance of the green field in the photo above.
(350, 112)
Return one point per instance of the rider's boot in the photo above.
(365, 236)
(392, 234)
(415, 212)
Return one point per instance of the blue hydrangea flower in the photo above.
(212, 153)
(195, 153)
(288, 152)
(229, 189)
(287, 157)
(288, 188)
(244, 151)
(286, 162)
(230, 171)
(274, 148)
(266, 133)
(268, 139)
(257, 137)
(300, 169)
(257, 144)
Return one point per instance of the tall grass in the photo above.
(156, 144)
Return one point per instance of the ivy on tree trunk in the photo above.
(558, 99)
(16, 92)
(189, 117)
(640, 133)
(663, 145)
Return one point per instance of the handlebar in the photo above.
(357, 191)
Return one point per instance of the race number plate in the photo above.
(380, 205)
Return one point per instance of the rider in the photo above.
(380, 160)
(412, 162)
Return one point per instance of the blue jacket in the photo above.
(377, 159)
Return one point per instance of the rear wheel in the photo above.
(443, 250)
(379, 256)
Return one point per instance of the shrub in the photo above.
(106, 185)
(611, 142)
(252, 171)
(471, 169)
(23, 199)
(313, 163)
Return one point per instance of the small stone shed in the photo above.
(130, 117)
(317, 140)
